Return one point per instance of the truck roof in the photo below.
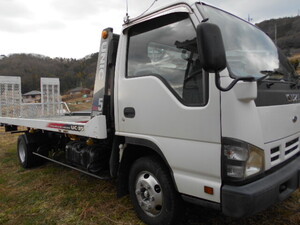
(157, 9)
(153, 11)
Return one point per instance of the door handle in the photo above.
(129, 112)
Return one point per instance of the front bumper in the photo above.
(238, 201)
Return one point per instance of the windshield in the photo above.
(249, 51)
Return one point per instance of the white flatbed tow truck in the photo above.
(190, 103)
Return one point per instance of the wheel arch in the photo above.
(35, 138)
(135, 149)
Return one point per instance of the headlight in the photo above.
(241, 160)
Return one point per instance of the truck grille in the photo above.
(292, 146)
(275, 154)
(284, 151)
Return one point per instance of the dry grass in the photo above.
(52, 194)
(295, 57)
(77, 102)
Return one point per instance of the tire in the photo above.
(25, 156)
(152, 192)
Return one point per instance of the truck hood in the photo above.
(279, 121)
(260, 115)
(279, 110)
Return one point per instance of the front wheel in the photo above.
(152, 192)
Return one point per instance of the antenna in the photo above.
(275, 33)
(148, 8)
(126, 18)
(249, 19)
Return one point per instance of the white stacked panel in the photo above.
(10, 96)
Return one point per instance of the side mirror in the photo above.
(212, 53)
(211, 48)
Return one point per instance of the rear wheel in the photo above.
(152, 192)
(25, 153)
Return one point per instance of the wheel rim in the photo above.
(22, 152)
(149, 194)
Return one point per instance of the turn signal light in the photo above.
(209, 190)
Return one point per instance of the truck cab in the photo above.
(228, 136)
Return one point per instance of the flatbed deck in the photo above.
(47, 115)
(77, 125)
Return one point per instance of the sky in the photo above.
(72, 28)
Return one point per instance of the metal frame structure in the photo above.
(47, 115)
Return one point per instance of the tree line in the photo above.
(31, 67)
(284, 31)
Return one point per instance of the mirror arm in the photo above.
(231, 85)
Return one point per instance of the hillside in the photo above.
(30, 67)
(288, 33)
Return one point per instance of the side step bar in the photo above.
(72, 167)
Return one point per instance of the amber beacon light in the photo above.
(104, 34)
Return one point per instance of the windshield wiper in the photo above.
(262, 78)
(273, 73)
(271, 82)
(265, 78)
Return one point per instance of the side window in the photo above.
(166, 47)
